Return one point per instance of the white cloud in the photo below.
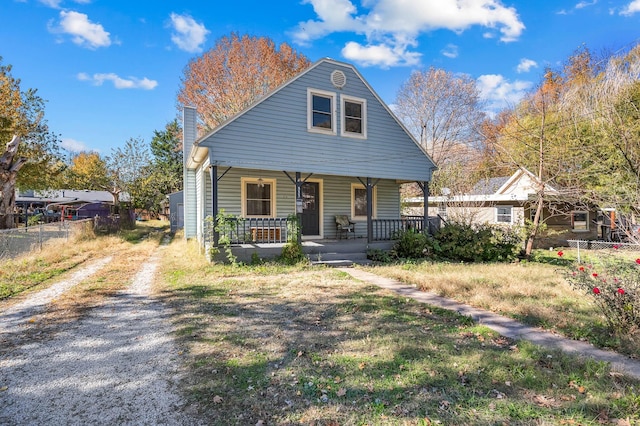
(525, 65)
(73, 145)
(396, 25)
(583, 4)
(499, 93)
(119, 82)
(188, 35)
(451, 51)
(380, 55)
(83, 32)
(631, 8)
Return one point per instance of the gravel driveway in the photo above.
(117, 365)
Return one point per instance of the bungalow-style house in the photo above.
(510, 200)
(321, 145)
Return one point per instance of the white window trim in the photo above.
(243, 183)
(310, 127)
(495, 219)
(363, 102)
(573, 226)
(355, 186)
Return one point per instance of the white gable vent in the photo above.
(338, 79)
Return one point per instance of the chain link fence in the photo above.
(594, 245)
(19, 241)
(602, 245)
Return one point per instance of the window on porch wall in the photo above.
(359, 202)
(258, 197)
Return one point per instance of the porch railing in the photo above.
(252, 230)
(388, 229)
(275, 230)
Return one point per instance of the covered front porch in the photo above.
(265, 238)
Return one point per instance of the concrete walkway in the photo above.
(505, 326)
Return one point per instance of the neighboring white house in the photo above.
(510, 200)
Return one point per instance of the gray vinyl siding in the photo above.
(199, 215)
(273, 135)
(190, 204)
(336, 196)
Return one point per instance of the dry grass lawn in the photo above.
(299, 345)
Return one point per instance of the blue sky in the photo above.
(110, 69)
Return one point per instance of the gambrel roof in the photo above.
(273, 133)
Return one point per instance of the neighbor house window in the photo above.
(354, 117)
(442, 210)
(504, 214)
(359, 201)
(532, 215)
(321, 111)
(580, 220)
(258, 197)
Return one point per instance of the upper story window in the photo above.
(321, 115)
(354, 117)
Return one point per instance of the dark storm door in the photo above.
(310, 208)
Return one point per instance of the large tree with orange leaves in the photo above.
(233, 74)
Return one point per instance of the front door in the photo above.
(310, 208)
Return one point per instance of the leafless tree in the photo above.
(442, 110)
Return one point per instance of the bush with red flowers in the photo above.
(614, 285)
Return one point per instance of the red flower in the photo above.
(616, 247)
(560, 253)
(596, 290)
(581, 268)
(620, 291)
(594, 275)
(638, 261)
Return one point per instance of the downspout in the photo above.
(213, 174)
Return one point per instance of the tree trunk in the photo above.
(9, 167)
(535, 226)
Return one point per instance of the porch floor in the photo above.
(329, 252)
